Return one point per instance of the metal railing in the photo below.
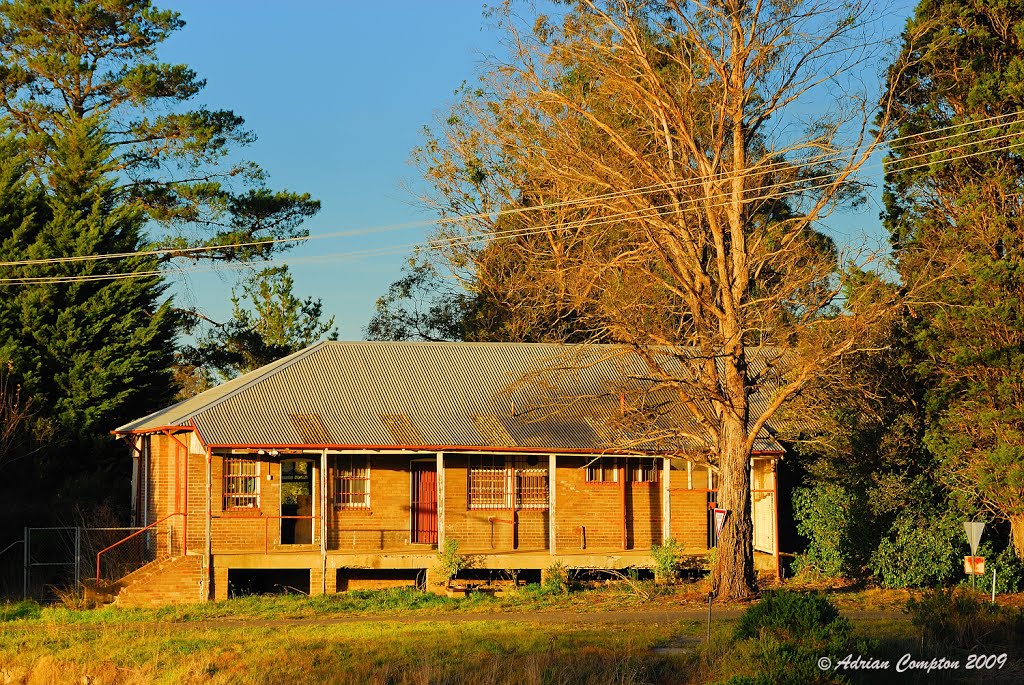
(364, 539)
(314, 530)
(155, 524)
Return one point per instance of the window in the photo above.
(603, 470)
(241, 484)
(531, 484)
(497, 482)
(606, 470)
(488, 483)
(352, 482)
(644, 470)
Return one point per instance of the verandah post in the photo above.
(323, 519)
(666, 500)
(551, 504)
(440, 500)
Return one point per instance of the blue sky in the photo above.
(338, 92)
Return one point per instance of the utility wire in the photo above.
(624, 194)
(470, 239)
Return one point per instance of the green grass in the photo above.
(397, 601)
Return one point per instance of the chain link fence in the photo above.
(49, 563)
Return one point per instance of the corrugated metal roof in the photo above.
(507, 395)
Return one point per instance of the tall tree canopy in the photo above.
(104, 154)
(639, 161)
(268, 321)
(963, 215)
(65, 61)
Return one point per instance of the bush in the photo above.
(556, 579)
(920, 551)
(790, 631)
(807, 619)
(1008, 568)
(449, 561)
(668, 562)
(825, 516)
(961, 618)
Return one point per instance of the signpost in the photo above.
(719, 515)
(974, 566)
(974, 529)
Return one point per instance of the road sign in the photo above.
(974, 530)
(720, 516)
(974, 566)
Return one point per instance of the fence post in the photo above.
(78, 556)
(24, 577)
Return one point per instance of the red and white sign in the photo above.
(974, 566)
(720, 516)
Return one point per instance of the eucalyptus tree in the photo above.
(644, 162)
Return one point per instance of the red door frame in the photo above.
(423, 502)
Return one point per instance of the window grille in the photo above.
(352, 482)
(241, 484)
(531, 486)
(488, 483)
(497, 482)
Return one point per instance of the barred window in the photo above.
(352, 482)
(241, 484)
(644, 470)
(488, 483)
(603, 470)
(497, 482)
(531, 484)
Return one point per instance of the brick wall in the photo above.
(492, 529)
(168, 581)
(593, 511)
(165, 490)
(385, 525)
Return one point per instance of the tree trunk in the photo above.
(1017, 534)
(733, 575)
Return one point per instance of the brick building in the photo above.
(348, 464)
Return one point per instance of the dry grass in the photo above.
(485, 653)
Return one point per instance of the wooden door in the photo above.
(423, 504)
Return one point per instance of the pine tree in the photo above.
(94, 350)
(268, 321)
(958, 224)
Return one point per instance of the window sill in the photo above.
(339, 508)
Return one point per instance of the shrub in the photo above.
(806, 619)
(786, 633)
(961, 618)
(556, 578)
(825, 516)
(449, 561)
(667, 561)
(1008, 568)
(920, 551)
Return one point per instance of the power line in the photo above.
(525, 231)
(623, 194)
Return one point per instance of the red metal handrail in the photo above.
(126, 539)
(228, 515)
